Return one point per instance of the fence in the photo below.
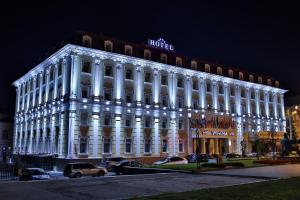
(7, 171)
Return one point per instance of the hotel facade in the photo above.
(101, 97)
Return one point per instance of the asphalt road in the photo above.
(114, 187)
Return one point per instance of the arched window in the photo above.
(251, 78)
(163, 58)
(194, 65)
(128, 50)
(230, 73)
(269, 82)
(207, 68)
(241, 76)
(178, 61)
(147, 54)
(86, 41)
(276, 83)
(219, 70)
(260, 80)
(108, 45)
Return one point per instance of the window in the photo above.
(59, 69)
(180, 146)
(195, 84)
(231, 91)
(221, 107)
(276, 83)
(147, 145)
(260, 80)
(194, 65)
(86, 41)
(269, 82)
(148, 99)
(128, 121)
(107, 94)
(165, 101)
(195, 104)
(128, 50)
(106, 145)
(84, 92)
(180, 82)
(219, 70)
(164, 123)
(164, 80)
(107, 120)
(108, 45)
(251, 78)
(230, 73)
(128, 145)
(180, 102)
(147, 54)
(241, 76)
(129, 97)
(84, 119)
(208, 87)
(83, 145)
(221, 89)
(242, 93)
(108, 71)
(164, 146)
(147, 122)
(180, 124)
(163, 58)
(86, 67)
(129, 74)
(5, 135)
(252, 95)
(148, 77)
(178, 62)
(207, 68)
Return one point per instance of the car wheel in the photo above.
(101, 173)
(77, 175)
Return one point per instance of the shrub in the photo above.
(214, 165)
(271, 162)
(235, 164)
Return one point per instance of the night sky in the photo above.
(255, 36)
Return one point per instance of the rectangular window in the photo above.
(107, 95)
(84, 119)
(147, 122)
(148, 99)
(165, 101)
(195, 85)
(164, 146)
(180, 102)
(128, 121)
(107, 120)
(129, 74)
(179, 83)
(208, 87)
(180, 146)
(127, 145)
(148, 77)
(83, 145)
(164, 123)
(106, 145)
(195, 104)
(231, 91)
(129, 98)
(5, 135)
(164, 80)
(147, 145)
(108, 71)
(84, 92)
(86, 67)
(180, 124)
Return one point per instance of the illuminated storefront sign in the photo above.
(160, 43)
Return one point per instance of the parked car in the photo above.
(127, 167)
(271, 153)
(109, 162)
(203, 157)
(233, 155)
(28, 174)
(253, 154)
(171, 161)
(77, 170)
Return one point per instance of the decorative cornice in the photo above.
(66, 50)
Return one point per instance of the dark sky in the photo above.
(255, 36)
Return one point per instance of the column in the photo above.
(18, 96)
(248, 100)
(52, 135)
(202, 93)
(156, 87)
(40, 87)
(97, 79)
(43, 145)
(55, 75)
(62, 137)
(20, 137)
(156, 136)
(23, 96)
(15, 138)
(65, 77)
(139, 85)
(37, 148)
(30, 148)
(71, 131)
(188, 92)
(47, 85)
(275, 99)
(266, 102)
(173, 135)
(76, 66)
(239, 138)
(34, 91)
(282, 106)
(215, 96)
(96, 122)
(216, 142)
(25, 134)
(138, 136)
(203, 147)
(257, 102)
(172, 89)
(226, 97)
(238, 100)
(28, 95)
(118, 82)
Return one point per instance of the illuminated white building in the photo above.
(104, 97)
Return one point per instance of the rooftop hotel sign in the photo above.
(160, 43)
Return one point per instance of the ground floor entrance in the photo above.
(212, 145)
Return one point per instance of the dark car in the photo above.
(202, 157)
(233, 155)
(28, 174)
(127, 167)
(77, 170)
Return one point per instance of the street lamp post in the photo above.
(273, 140)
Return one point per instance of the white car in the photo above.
(174, 160)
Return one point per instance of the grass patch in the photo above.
(284, 189)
